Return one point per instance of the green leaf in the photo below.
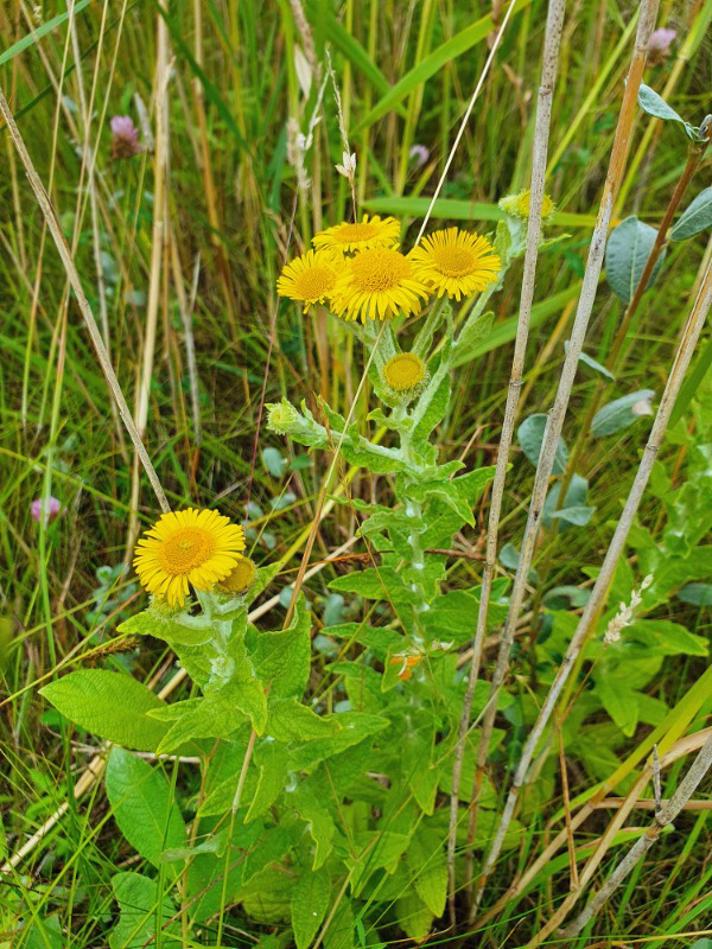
(290, 721)
(654, 104)
(467, 344)
(696, 218)
(451, 209)
(142, 906)
(179, 629)
(310, 901)
(621, 413)
(574, 512)
(696, 594)
(414, 917)
(431, 65)
(627, 252)
(143, 805)
(592, 364)
(432, 405)
(282, 658)
(109, 704)
(273, 763)
(340, 934)
(320, 824)
(373, 583)
(530, 436)
(427, 863)
(621, 704)
(665, 638)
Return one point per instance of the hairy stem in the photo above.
(550, 62)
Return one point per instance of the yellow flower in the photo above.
(361, 235)
(196, 547)
(518, 205)
(456, 263)
(378, 282)
(404, 372)
(242, 576)
(308, 279)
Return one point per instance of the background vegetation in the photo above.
(215, 89)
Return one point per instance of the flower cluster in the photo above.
(202, 549)
(359, 272)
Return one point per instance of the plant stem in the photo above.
(596, 602)
(667, 814)
(55, 230)
(555, 421)
(550, 62)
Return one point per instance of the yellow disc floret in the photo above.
(360, 235)
(191, 547)
(377, 283)
(308, 279)
(404, 372)
(455, 263)
(241, 577)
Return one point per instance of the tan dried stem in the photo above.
(685, 350)
(55, 230)
(555, 421)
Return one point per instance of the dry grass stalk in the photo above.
(686, 347)
(550, 62)
(555, 421)
(55, 230)
(669, 810)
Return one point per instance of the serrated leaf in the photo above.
(272, 761)
(627, 252)
(109, 704)
(282, 658)
(310, 901)
(697, 217)
(427, 863)
(413, 916)
(179, 629)
(621, 413)
(146, 914)
(290, 721)
(143, 805)
(530, 436)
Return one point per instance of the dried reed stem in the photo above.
(555, 421)
(550, 63)
(666, 815)
(55, 230)
(686, 347)
(159, 239)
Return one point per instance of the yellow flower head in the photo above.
(404, 372)
(241, 577)
(367, 233)
(187, 547)
(308, 279)
(378, 282)
(518, 205)
(456, 263)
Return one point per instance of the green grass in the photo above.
(405, 74)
